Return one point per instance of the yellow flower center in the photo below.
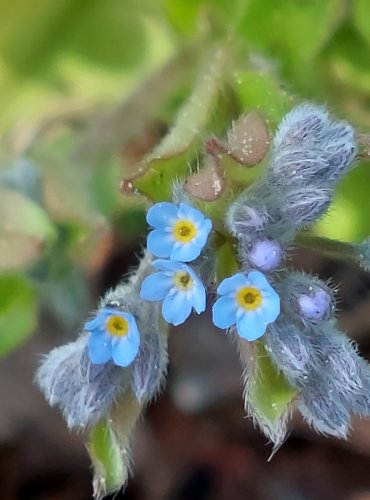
(117, 326)
(249, 298)
(184, 231)
(183, 280)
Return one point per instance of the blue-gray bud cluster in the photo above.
(84, 391)
(310, 153)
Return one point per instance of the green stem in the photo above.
(331, 248)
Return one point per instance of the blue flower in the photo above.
(178, 286)
(113, 335)
(180, 231)
(248, 301)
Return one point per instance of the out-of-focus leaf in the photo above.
(110, 33)
(68, 198)
(348, 217)
(190, 17)
(291, 31)
(131, 117)
(28, 31)
(18, 311)
(341, 75)
(185, 15)
(361, 16)
(260, 91)
(25, 229)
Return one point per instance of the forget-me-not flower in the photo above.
(248, 301)
(178, 286)
(113, 335)
(180, 231)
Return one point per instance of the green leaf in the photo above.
(361, 15)
(109, 33)
(291, 31)
(270, 394)
(262, 92)
(348, 217)
(25, 229)
(109, 445)
(18, 311)
(106, 454)
(191, 17)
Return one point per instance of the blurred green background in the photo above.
(88, 87)
(92, 91)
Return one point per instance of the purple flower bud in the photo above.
(306, 298)
(266, 255)
(314, 306)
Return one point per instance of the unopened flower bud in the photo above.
(266, 255)
(307, 298)
(315, 305)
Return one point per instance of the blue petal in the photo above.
(98, 323)
(167, 265)
(160, 243)
(187, 212)
(270, 307)
(259, 280)
(230, 285)
(160, 215)
(94, 324)
(100, 349)
(156, 286)
(125, 349)
(251, 325)
(185, 252)
(199, 297)
(176, 308)
(224, 312)
(204, 229)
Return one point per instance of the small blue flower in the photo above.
(178, 286)
(248, 301)
(113, 335)
(180, 231)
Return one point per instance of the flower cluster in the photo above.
(287, 317)
(310, 153)
(180, 233)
